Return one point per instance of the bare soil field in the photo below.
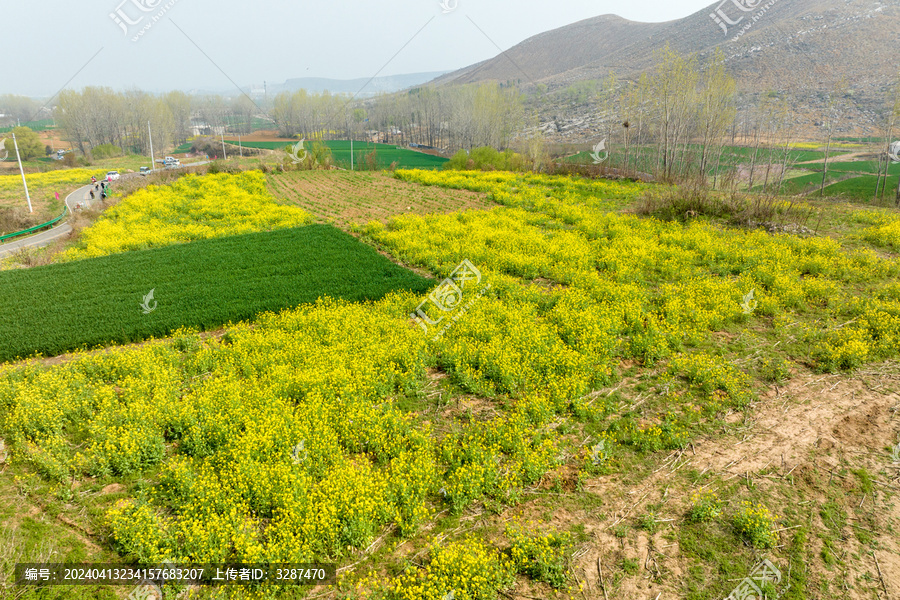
(344, 198)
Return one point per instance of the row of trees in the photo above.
(686, 112)
(98, 116)
(465, 116)
(684, 108)
(457, 117)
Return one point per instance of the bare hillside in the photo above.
(793, 47)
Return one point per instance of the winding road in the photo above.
(45, 238)
(80, 196)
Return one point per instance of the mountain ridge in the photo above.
(791, 47)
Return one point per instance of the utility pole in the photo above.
(224, 154)
(150, 133)
(22, 171)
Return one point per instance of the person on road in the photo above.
(93, 179)
(92, 194)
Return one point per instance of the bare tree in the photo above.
(833, 113)
(717, 110)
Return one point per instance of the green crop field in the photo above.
(861, 166)
(860, 188)
(800, 184)
(644, 157)
(41, 125)
(386, 153)
(204, 284)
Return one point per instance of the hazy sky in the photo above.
(207, 44)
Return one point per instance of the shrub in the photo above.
(106, 151)
(774, 369)
(540, 556)
(705, 506)
(756, 524)
(464, 570)
(486, 158)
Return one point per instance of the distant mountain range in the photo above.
(363, 87)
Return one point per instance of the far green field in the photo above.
(803, 183)
(41, 125)
(861, 166)
(851, 179)
(386, 153)
(643, 158)
(861, 140)
(204, 284)
(861, 188)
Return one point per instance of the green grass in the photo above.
(205, 284)
(387, 153)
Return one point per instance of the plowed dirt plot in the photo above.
(344, 197)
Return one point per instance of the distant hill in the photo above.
(800, 47)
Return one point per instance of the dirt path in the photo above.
(816, 429)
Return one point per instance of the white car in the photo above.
(112, 176)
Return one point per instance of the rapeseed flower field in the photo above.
(192, 208)
(303, 436)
